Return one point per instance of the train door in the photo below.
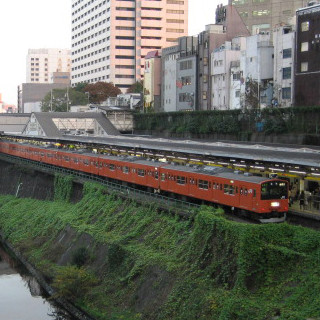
(245, 196)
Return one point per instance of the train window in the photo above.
(156, 175)
(236, 190)
(141, 172)
(220, 186)
(75, 160)
(86, 162)
(231, 190)
(163, 177)
(125, 169)
(274, 190)
(181, 180)
(133, 170)
(42, 154)
(241, 191)
(66, 158)
(226, 188)
(213, 185)
(254, 193)
(245, 192)
(203, 184)
(112, 167)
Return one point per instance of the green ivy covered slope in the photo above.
(120, 260)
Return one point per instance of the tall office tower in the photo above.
(263, 15)
(110, 38)
(45, 65)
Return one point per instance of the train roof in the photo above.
(218, 172)
(213, 171)
(280, 153)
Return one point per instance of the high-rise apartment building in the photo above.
(110, 38)
(263, 15)
(42, 64)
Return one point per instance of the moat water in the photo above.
(21, 297)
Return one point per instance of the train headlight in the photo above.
(275, 204)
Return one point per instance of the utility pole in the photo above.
(51, 102)
(67, 99)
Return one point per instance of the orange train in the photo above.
(263, 198)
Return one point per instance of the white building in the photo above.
(284, 46)
(169, 79)
(225, 85)
(257, 66)
(110, 38)
(41, 64)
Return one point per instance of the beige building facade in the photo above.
(152, 80)
(41, 64)
(263, 15)
(110, 38)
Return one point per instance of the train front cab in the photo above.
(273, 200)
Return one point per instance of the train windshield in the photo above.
(274, 190)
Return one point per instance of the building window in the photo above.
(235, 2)
(258, 13)
(304, 66)
(185, 65)
(286, 73)
(286, 93)
(204, 95)
(236, 76)
(305, 26)
(287, 53)
(244, 14)
(304, 46)
(238, 94)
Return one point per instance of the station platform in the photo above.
(308, 211)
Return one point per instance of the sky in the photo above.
(36, 24)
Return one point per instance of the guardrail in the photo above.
(125, 191)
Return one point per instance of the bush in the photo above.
(72, 282)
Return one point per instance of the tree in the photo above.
(137, 87)
(252, 94)
(57, 101)
(100, 91)
(80, 86)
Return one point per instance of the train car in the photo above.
(130, 170)
(266, 199)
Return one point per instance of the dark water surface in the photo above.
(21, 297)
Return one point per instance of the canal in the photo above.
(21, 297)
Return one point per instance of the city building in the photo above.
(307, 61)
(152, 81)
(169, 78)
(44, 65)
(283, 66)
(179, 80)
(30, 95)
(264, 15)
(258, 71)
(111, 38)
(228, 26)
(225, 80)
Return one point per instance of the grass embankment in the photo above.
(119, 260)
